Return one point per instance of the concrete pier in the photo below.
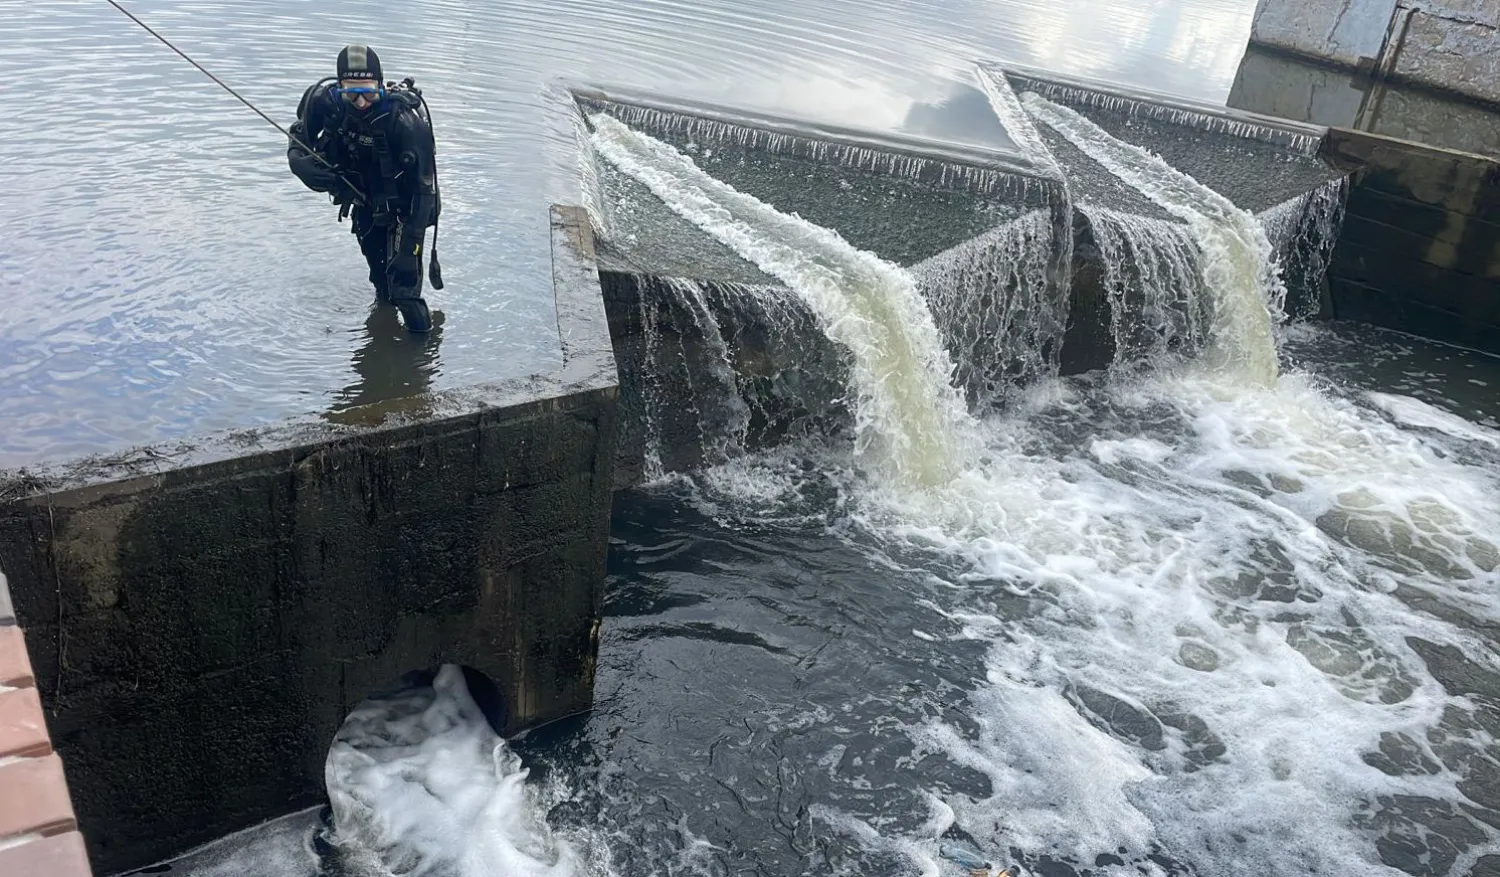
(200, 620)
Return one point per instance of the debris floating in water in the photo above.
(967, 857)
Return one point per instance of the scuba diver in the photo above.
(369, 144)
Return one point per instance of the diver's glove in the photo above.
(344, 192)
(313, 172)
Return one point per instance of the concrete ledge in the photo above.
(201, 617)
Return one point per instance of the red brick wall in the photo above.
(38, 834)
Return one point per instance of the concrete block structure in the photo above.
(1419, 249)
(199, 626)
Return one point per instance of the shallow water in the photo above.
(167, 276)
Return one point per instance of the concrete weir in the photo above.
(1033, 261)
(201, 619)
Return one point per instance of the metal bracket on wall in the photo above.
(1377, 70)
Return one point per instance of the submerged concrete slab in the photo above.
(201, 617)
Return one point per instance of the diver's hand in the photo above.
(344, 192)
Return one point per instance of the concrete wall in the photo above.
(1290, 87)
(200, 625)
(1447, 44)
(1420, 248)
(1342, 31)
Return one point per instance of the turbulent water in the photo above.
(1246, 292)
(1210, 595)
(910, 423)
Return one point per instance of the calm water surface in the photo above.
(167, 276)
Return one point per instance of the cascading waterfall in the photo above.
(999, 315)
(1303, 231)
(1012, 116)
(1149, 267)
(968, 173)
(724, 438)
(1208, 120)
(1239, 269)
(1313, 218)
(1150, 272)
(910, 423)
(1166, 572)
(718, 412)
(652, 373)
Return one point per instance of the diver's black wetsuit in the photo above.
(387, 153)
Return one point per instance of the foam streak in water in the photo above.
(1238, 268)
(910, 422)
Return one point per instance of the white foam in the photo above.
(1154, 565)
(421, 785)
(1192, 573)
(1118, 450)
(1415, 412)
(910, 423)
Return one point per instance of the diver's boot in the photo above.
(415, 314)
